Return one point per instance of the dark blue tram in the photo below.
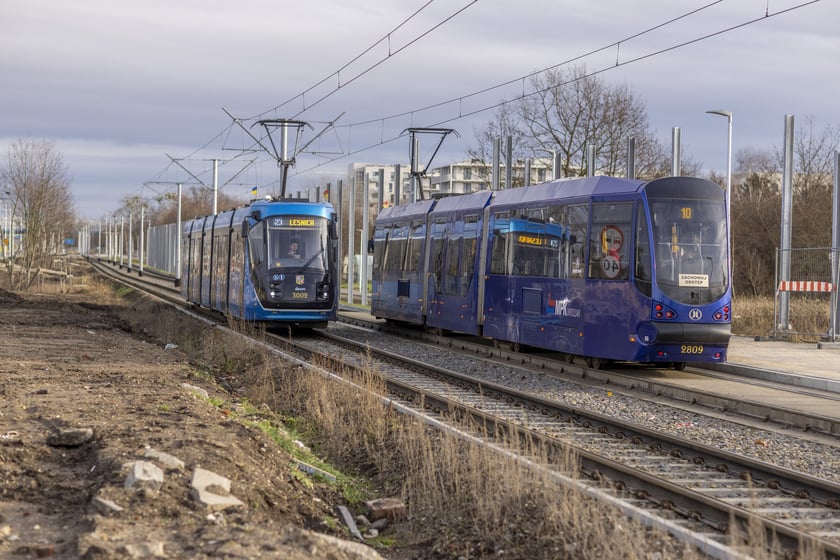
(273, 261)
(604, 268)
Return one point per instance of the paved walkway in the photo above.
(820, 361)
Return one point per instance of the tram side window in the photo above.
(221, 256)
(236, 260)
(643, 257)
(256, 244)
(578, 218)
(556, 220)
(192, 251)
(206, 251)
(453, 256)
(536, 251)
(395, 250)
(415, 244)
(498, 258)
(609, 239)
(436, 264)
(468, 252)
(380, 240)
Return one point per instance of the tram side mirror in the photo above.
(370, 246)
(245, 228)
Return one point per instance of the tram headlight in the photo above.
(322, 292)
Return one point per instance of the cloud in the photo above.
(118, 85)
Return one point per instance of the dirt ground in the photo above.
(84, 396)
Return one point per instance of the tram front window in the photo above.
(691, 251)
(298, 243)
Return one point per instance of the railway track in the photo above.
(735, 393)
(694, 491)
(700, 488)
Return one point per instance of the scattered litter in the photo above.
(351, 524)
(197, 390)
(313, 470)
(170, 346)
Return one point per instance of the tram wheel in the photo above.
(679, 366)
(596, 363)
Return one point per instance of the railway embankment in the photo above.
(117, 445)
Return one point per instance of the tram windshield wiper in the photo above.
(312, 258)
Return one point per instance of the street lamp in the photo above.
(728, 115)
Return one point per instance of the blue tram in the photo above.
(273, 261)
(603, 268)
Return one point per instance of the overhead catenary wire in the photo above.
(461, 114)
(386, 37)
(432, 106)
(459, 100)
(391, 53)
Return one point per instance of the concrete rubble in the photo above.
(212, 492)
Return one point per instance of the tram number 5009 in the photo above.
(691, 349)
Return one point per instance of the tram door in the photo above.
(453, 281)
(612, 305)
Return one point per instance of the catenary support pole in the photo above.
(787, 224)
(835, 250)
(675, 152)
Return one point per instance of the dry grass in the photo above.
(809, 316)
(464, 500)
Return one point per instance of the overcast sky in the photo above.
(121, 85)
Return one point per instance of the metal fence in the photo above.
(162, 248)
(806, 295)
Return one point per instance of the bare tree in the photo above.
(813, 152)
(38, 186)
(196, 200)
(757, 204)
(506, 123)
(756, 211)
(570, 110)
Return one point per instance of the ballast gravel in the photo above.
(775, 446)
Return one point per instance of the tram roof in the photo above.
(287, 206)
(408, 211)
(567, 188)
(473, 201)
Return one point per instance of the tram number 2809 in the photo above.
(691, 349)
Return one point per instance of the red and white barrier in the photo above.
(805, 286)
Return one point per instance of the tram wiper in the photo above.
(312, 258)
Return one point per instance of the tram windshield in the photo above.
(691, 252)
(297, 242)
